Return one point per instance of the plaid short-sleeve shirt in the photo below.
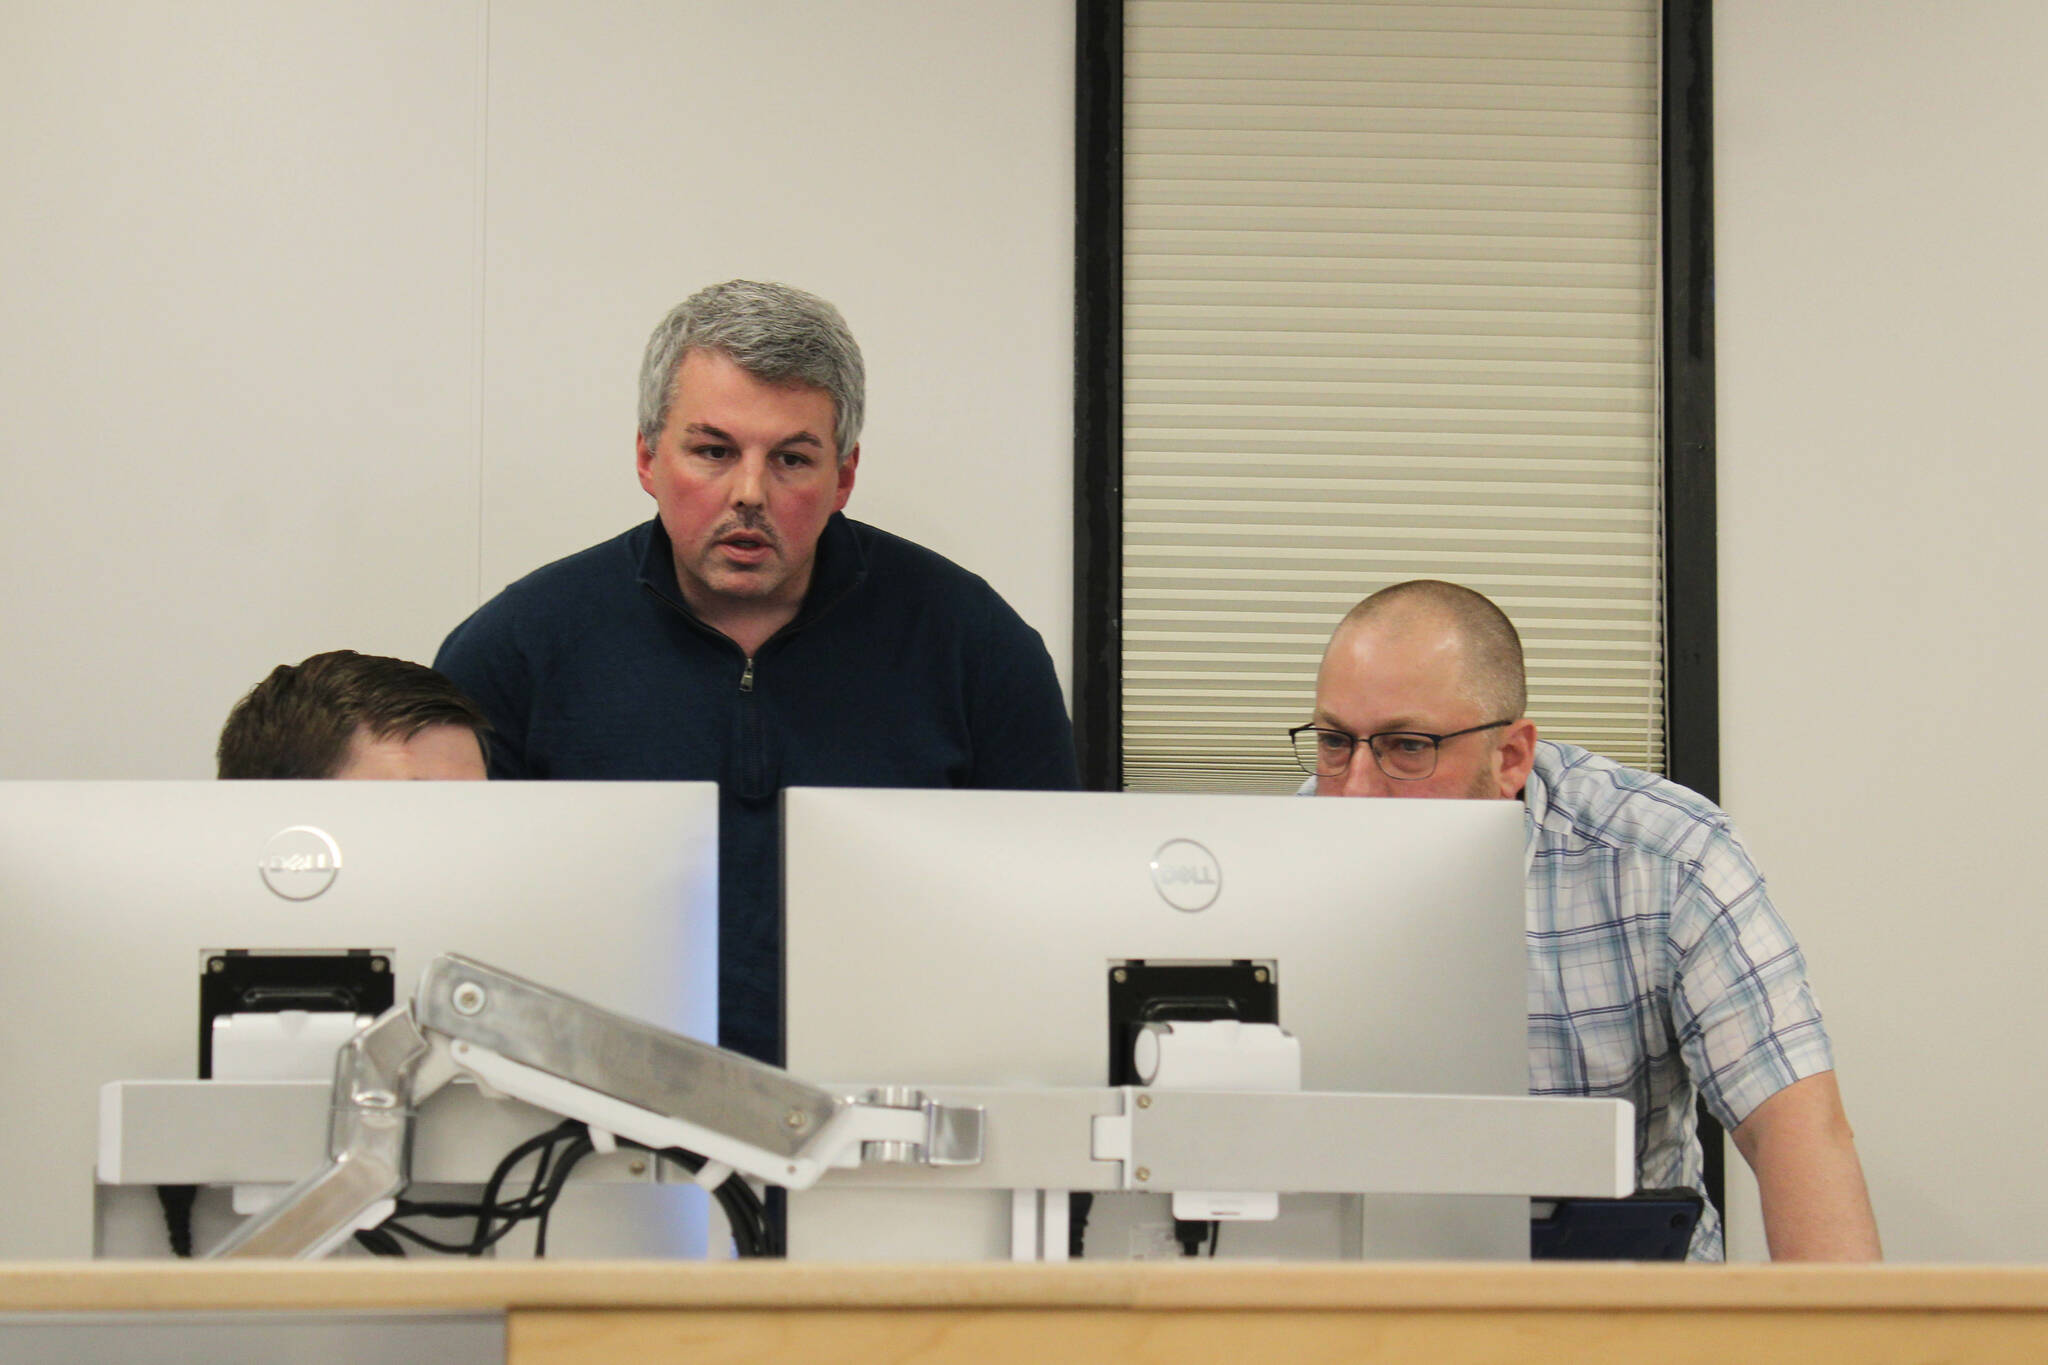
(1658, 967)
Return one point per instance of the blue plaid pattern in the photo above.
(1657, 964)
(1658, 968)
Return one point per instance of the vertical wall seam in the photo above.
(481, 276)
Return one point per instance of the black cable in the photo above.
(569, 1131)
(1079, 1205)
(378, 1242)
(421, 1239)
(537, 1202)
(753, 1230)
(559, 1149)
(542, 1142)
(542, 1190)
(744, 1212)
(753, 1234)
(177, 1203)
(468, 1247)
(743, 1220)
(575, 1152)
(767, 1233)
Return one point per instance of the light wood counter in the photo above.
(789, 1314)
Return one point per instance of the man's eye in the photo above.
(1331, 742)
(792, 459)
(711, 452)
(1408, 746)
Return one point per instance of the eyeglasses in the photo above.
(1404, 755)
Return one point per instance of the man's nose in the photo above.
(1361, 776)
(749, 485)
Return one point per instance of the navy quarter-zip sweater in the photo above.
(901, 669)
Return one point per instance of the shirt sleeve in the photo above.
(1017, 718)
(1746, 1017)
(482, 657)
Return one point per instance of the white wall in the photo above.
(1881, 209)
(321, 323)
(238, 401)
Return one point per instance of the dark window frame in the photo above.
(1099, 392)
(1692, 646)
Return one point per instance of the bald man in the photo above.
(1658, 969)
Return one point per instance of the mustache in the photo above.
(751, 522)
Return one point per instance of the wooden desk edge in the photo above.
(458, 1286)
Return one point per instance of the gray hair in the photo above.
(775, 333)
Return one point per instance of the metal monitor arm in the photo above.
(619, 1076)
(623, 1078)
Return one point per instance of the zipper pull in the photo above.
(747, 678)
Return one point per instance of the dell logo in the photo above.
(299, 863)
(1186, 875)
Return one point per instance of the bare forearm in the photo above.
(1816, 1206)
(1821, 1217)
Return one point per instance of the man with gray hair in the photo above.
(1658, 968)
(751, 634)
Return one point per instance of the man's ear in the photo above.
(643, 459)
(1516, 757)
(848, 467)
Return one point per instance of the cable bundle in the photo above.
(559, 1150)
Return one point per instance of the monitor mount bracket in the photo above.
(627, 1079)
(619, 1076)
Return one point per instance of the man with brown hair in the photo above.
(349, 715)
(1658, 969)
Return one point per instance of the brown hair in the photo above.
(298, 721)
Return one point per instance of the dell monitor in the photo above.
(982, 938)
(119, 898)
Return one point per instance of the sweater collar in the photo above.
(840, 567)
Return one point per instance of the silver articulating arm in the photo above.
(379, 1079)
(623, 1078)
(618, 1075)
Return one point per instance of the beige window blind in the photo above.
(1390, 312)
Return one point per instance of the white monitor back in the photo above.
(965, 937)
(110, 892)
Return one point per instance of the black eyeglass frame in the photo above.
(1436, 745)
